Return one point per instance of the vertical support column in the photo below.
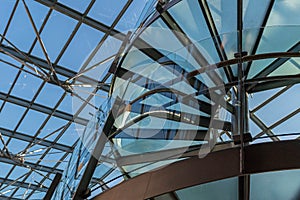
(53, 186)
(241, 105)
(240, 87)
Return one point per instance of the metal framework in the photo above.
(39, 145)
(258, 158)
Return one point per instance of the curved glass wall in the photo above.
(195, 81)
(270, 185)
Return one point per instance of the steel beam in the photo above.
(31, 165)
(277, 63)
(58, 69)
(79, 17)
(260, 33)
(53, 186)
(22, 184)
(42, 108)
(39, 141)
(263, 127)
(215, 166)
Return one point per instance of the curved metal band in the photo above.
(217, 165)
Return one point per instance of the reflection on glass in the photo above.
(275, 185)
(226, 189)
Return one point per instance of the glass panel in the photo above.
(156, 100)
(78, 5)
(160, 37)
(282, 44)
(284, 13)
(257, 66)
(66, 104)
(184, 87)
(106, 11)
(15, 146)
(51, 159)
(224, 14)
(84, 42)
(291, 67)
(10, 115)
(5, 11)
(25, 194)
(275, 185)
(7, 75)
(5, 168)
(27, 126)
(189, 17)
(49, 90)
(257, 98)
(52, 125)
(34, 152)
(38, 195)
(17, 172)
(8, 190)
(101, 170)
(104, 52)
(113, 175)
(53, 36)
(21, 192)
(226, 189)
(64, 164)
(71, 135)
(131, 16)
(281, 106)
(21, 24)
(290, 126)
(26, 86)
(254, 14)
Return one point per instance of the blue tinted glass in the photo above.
(275, 185)
(131, 16)
(53, 36)
(17, 172)
(21, 24)
(15, 146)
(279, 108)
(46, 95)
(284, 12)
(84, 42)
(254, 14)
(291, 67)
(5, 11)
(275, 33)
(66, 104)
(160, 37)
(189, 17)
(38, 195)
(106, 11)
(71, 135)
(7, 76)
(10, 115)
(5, 168)
(26, 86)
(224, 14)
(31, 128)
(51, 159)
(53, 124)
(289, 126)
(79, 5)
(226, 189)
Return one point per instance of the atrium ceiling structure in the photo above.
(45, 45)
(231, 64)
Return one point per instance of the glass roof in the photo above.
(44, 45)
(55, 59)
